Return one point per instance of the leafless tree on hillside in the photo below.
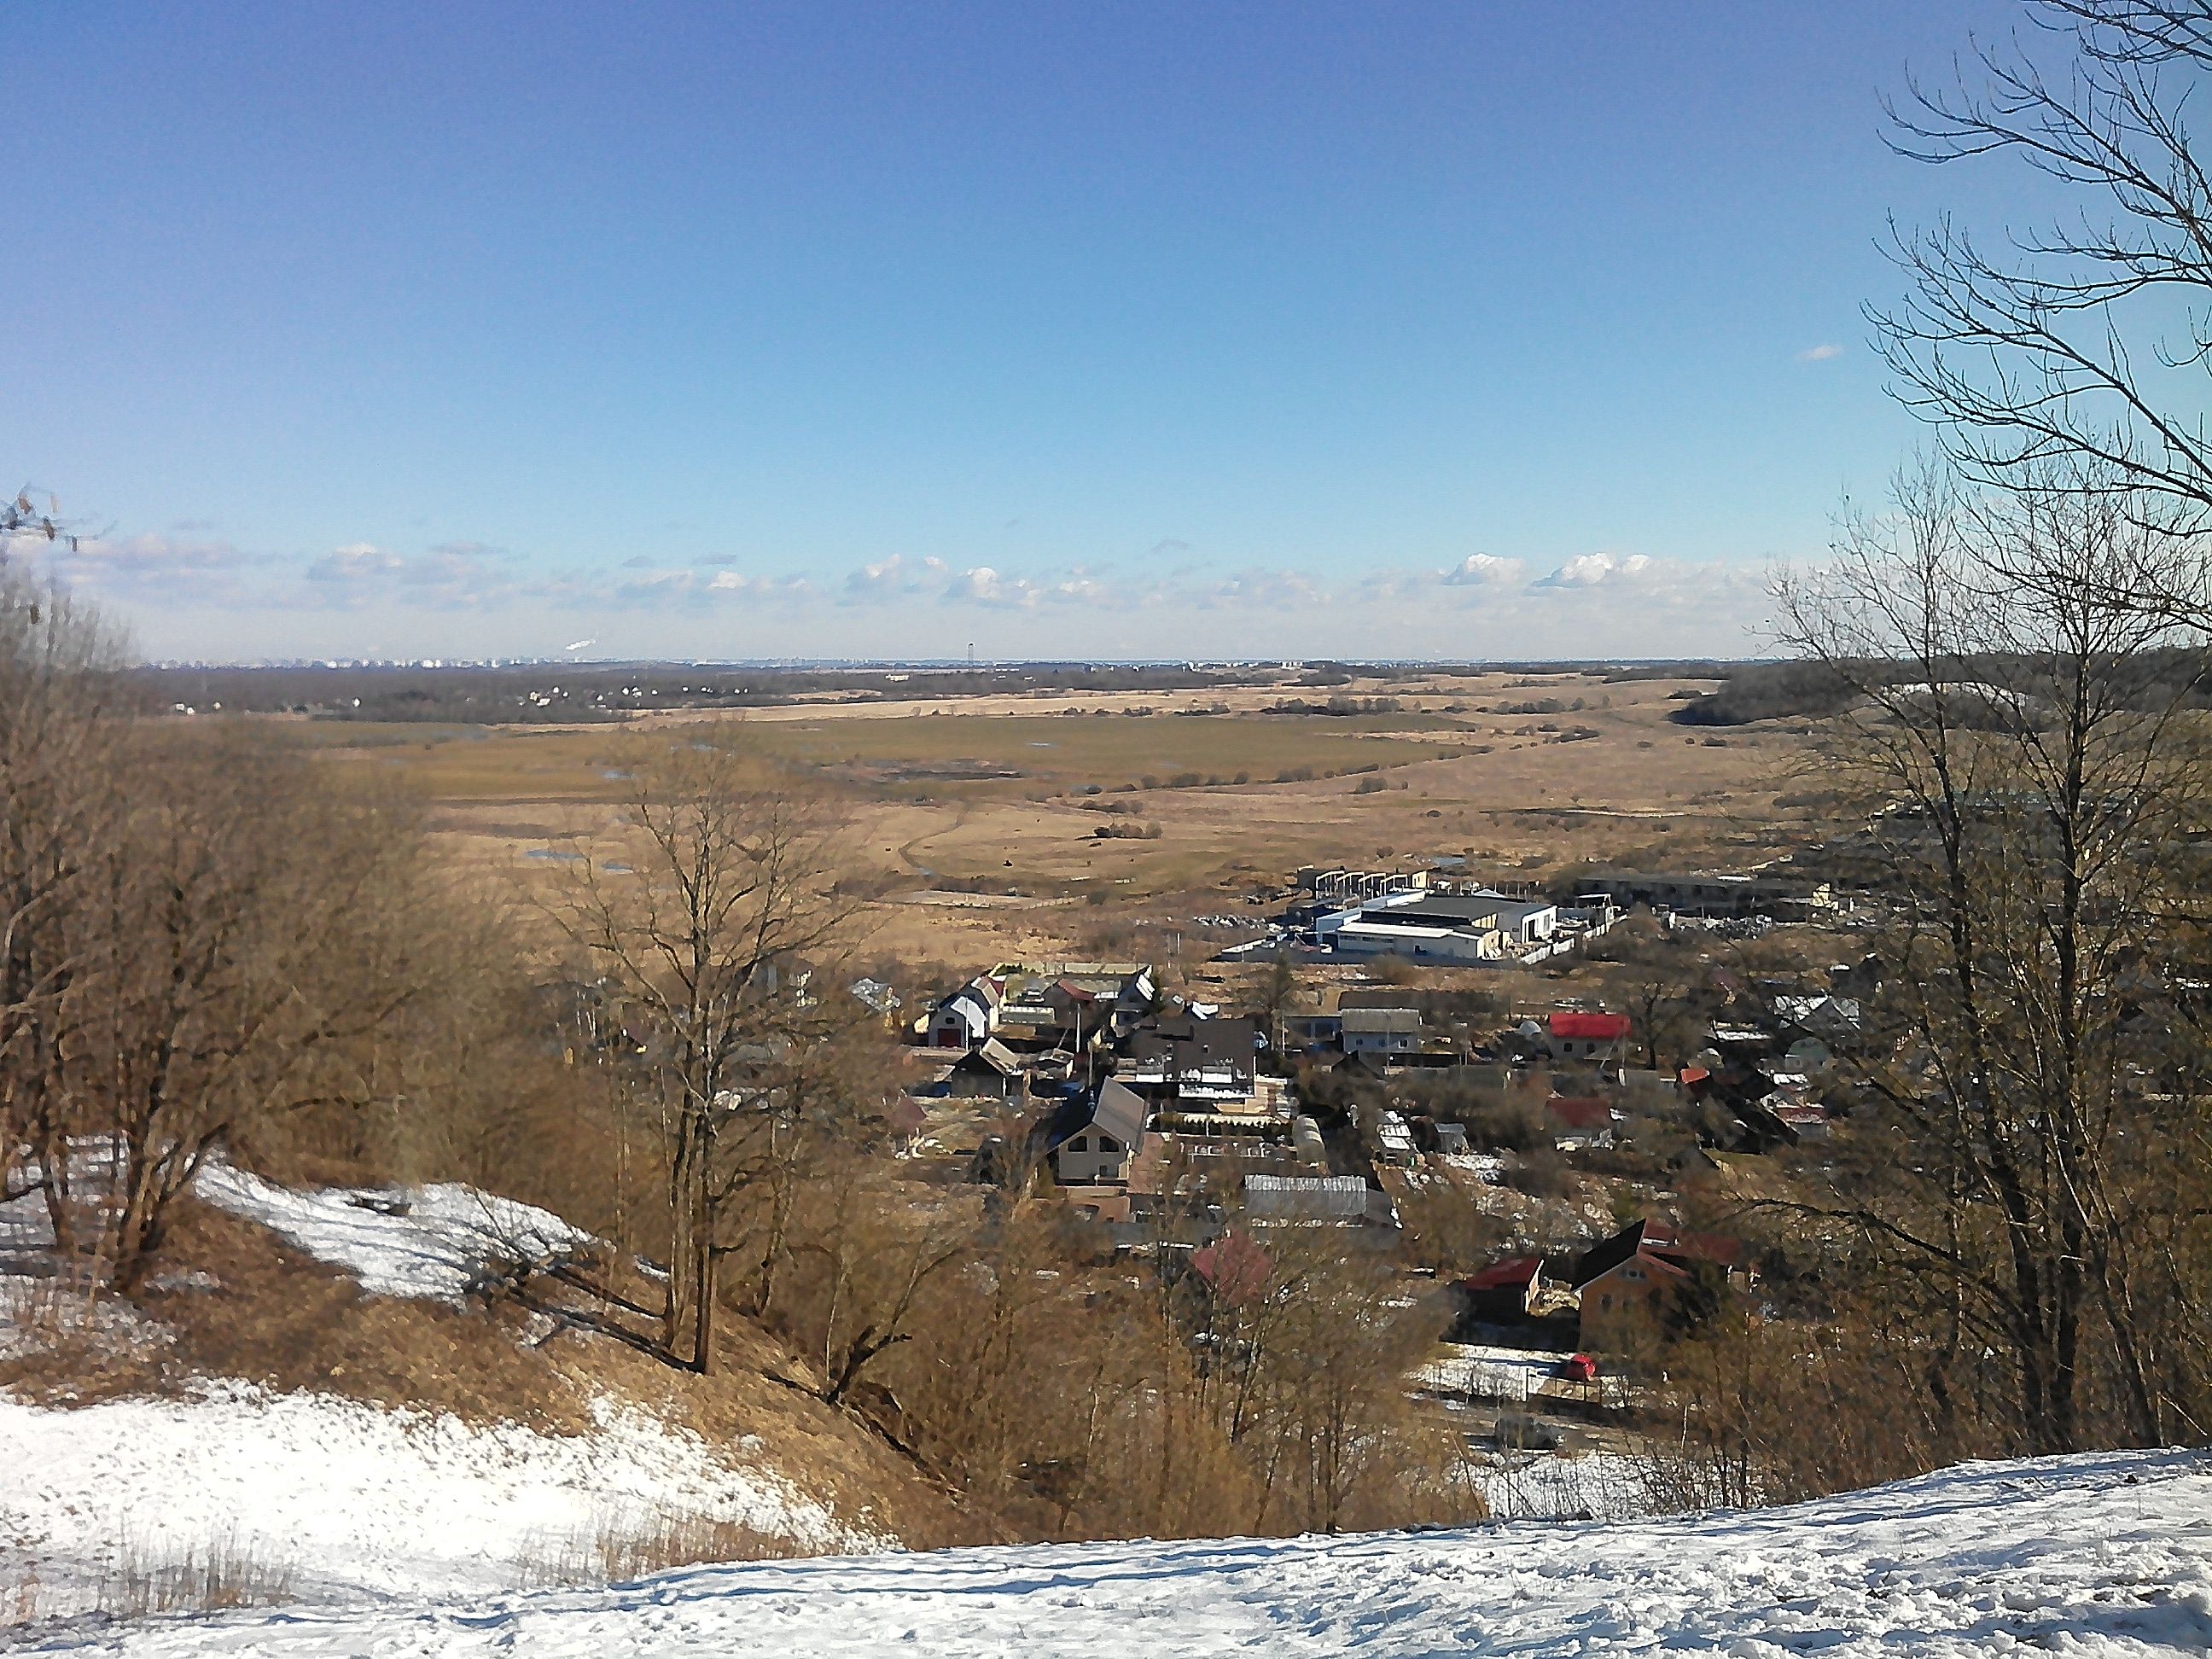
(703, 911)
(2031, 1087)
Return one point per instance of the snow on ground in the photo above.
(38, 1313)
(1480, 1371)
(1565, 1486)
(2100, 1554)
(430, 1242)
(350, 1500)
(1486, 1167)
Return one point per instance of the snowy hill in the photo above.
(2106, 1554)
(342, 1500)
(313, 1404)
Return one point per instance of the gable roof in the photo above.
(1118, 1111)
(1512, 1274)
(1344, 1197)
(1578, 1112)
(1374, 1020)
(990, 1056)
(1662, 1243)
(1234, 1267)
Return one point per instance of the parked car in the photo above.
(1518, 1431)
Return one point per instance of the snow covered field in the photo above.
(2106, 1554)
(346, 1501)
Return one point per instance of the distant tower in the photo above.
(971, 653)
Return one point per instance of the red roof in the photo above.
(1660, 1236)
(1589, 1028)
(1234, 1266)
(1506, 1275)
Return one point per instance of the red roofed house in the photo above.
(1587, 1036)
(1234, 1267)
(1505, 1288)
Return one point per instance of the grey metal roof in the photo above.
(1358, 1021)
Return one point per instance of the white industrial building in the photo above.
(1429, 927)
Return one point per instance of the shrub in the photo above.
(1541, 1172)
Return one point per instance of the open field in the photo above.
(1006, 795)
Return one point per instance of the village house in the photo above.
(1091, 1140)
(1304, 1032)
(1380, 1031)
(1832, 1019)
(1194, 1064)
(969, 1017)
(1505, 1291)
(989, 1070)
(1071, 1004)
(878, 997)
(1599, 1037)
(1639, 1272)
(1578, 1122)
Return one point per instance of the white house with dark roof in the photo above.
(1091, 1140)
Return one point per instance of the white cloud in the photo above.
(1597, 569)
(1820, 354)
(1480, 570)
(1485, 606)
(888, 577)
(155, 567)
(353, 562)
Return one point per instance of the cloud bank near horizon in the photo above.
(192, 597)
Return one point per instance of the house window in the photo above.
(1606, 1301)
(1107, 1144)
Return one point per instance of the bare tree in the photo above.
(702, 910)
(2086, 341)
(247, 941)
(59, 731)
(2045, 773)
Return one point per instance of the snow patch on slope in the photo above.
(2095, 1555)
(350, 1500)
(431, 1242)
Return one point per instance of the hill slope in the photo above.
(2095, 1554)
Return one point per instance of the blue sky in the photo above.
(859, 329)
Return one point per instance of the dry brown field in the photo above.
(978, 817)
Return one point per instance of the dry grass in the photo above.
(283, 1321)
(626, 1548)
(930, 803)
(63, 1339)
(218, 1573)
